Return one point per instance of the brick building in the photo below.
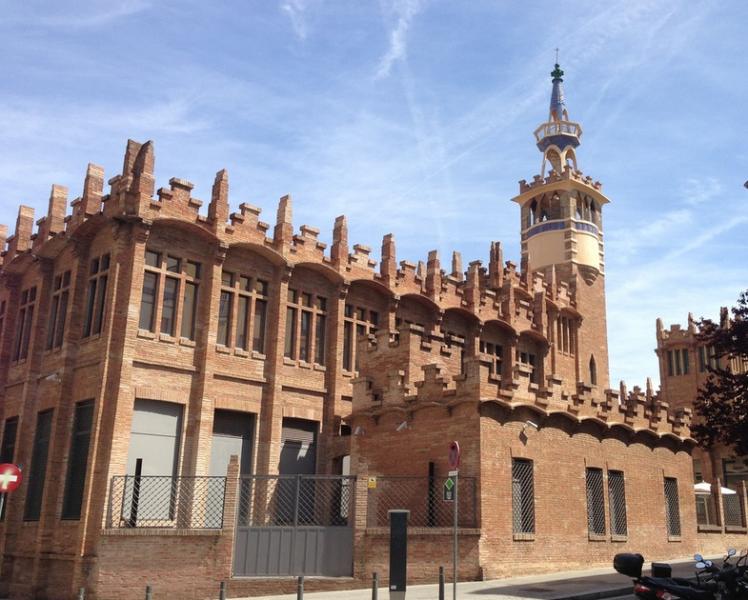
(146, 344)
(684, 363)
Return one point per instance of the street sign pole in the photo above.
(454, 463)
(454, 543)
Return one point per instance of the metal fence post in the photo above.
(296, 502)
(148, 593)
(222, 591)
(441, 583)
(375, 586)
(300, 588)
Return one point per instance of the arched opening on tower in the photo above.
(533, 213)
(593, 370)
(570, 158)
(554, 158)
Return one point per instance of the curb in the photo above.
(609, 593)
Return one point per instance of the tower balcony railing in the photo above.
(552, 128)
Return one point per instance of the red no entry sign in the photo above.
(10, 477)
(454, 455)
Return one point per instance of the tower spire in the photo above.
(558, 110)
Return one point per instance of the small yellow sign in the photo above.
(372, 484)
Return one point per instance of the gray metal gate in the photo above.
(295, 525)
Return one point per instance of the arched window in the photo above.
(533, 208)
(593, 371)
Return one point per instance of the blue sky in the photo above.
(411, 117)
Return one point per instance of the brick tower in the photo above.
(562, 237)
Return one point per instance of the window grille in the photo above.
(617, 503)
(595, 502)
(306, 327)
(672, 509)
(733, 508)
(523, 496)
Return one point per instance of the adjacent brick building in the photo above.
(143, 337)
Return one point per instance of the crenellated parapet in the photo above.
(498, 291)
(402, 371)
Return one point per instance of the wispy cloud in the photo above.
(296, 12)
(93, 14)
(405, 11)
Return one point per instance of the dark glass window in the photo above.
(148, 301)
(78, 460)
(595, 502)
(38, 470)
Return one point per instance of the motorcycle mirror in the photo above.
(698, 557)
(708, 563)
(701, 565)
(731, 552)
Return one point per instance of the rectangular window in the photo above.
(224, 318)
(672, 507)
(347, 345)
(684, 354)
(2, 318)
(38, 470)
(242, 322)
(78, 460)
(617, 503)
(258, 339)
(702, 359)
(58, 310)
(356, 322)
(290, 347)
(319, 340)
(676, 359)
(8, 449)
(189, 303)
(595, 502)
(96, 299)
(169, 307)
(305, 340)
(148, 301)
(23, 326)
(523, 496)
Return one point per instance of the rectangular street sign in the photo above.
(449, 490)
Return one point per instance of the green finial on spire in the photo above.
(557, 73)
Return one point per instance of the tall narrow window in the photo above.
(320, 332)
(702, 359)
(593, 371)
(291, 312)
(148, 301)
(672, 507)
(670, 369)
(684, 355)
(303, 313)
(676, 357)
(224, 317)
(260, 317)
(595, 502)
(617, 503)
(8, 449)
(189, 300)
(98, 275)
(23, 325)
(523, 496)
(2, 318)
(169, 307)
(78, 460)
(362, 322)
(38, 470)
(58, 311)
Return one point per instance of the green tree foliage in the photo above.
(722, 402)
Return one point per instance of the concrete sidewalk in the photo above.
(570, 585)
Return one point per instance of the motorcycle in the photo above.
(728, 582)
